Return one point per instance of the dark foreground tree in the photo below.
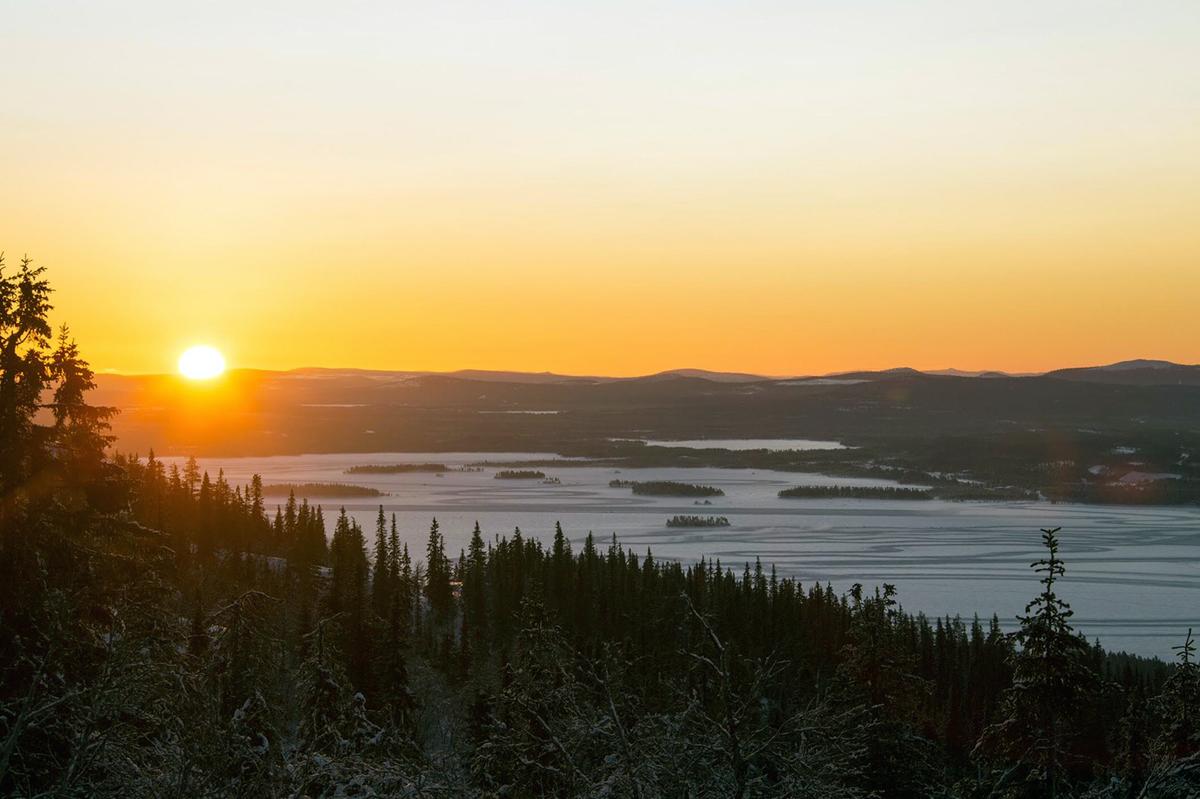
(1053, 681)
(1175, 753)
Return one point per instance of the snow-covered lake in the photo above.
(1133, 574)
(741, 444)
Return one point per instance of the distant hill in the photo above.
(704, 374)
(1139, 372)
(490, 376)
(335, 410)
(989, 373)
(316, 384)
(880, 374)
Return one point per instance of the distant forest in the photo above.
(697, 521)
(666, 488)
(320, 490)
(520, 474)
(854, 492)
(398, 468)
(164, 633)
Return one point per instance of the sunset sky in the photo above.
(609, 187)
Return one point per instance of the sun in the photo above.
(201, 363)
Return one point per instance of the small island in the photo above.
(697, 521)
(398, 468)
(520, 474)
(854, 492)
(667, 488)
(320, 490)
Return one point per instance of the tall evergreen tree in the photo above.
(24, 371)
(1178, 706)
(394, 559)
(437, 574)
(381, 569)
(1051, 682)
(80, 430)
(474, 589)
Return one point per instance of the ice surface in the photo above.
(777, 444)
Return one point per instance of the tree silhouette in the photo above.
(1051, 680)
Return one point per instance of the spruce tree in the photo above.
(474, 588)
(1051, 681)
(1178, 706)
(24, 372)
(437, 574)
(394, 560)
(381, 569)
(80, 430)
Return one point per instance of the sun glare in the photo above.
(201, 363)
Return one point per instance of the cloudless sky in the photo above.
(609, 187)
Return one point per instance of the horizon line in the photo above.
(682, 371)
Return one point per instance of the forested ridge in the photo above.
(166, 633)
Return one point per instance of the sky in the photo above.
(609, 187)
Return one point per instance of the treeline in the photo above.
(165, 634)
(1056, 464)
(397, 468)
(520, 474)
(1017, 466)
(968, 492)
(697, 521)
(854, 492)
(1156, 492)
(667, 488)
(320, 490)
(959, 492)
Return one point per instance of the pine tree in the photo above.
(1051, 681)
(205, 533)
(258, 512)
(343, 566)
(381, 583)
(406, 591)
(437, 574)
(878, 670)
(474, 587)
(394, 565)
(291, 518)
(191, 474)
(1174, 756)
(349, 597)
(395, 694)
(24, 338)
(80, 430)
(1178, 706)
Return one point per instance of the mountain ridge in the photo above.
(1139, 371)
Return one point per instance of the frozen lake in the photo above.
(777, 444)
(1133, 574)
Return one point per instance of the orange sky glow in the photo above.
(611, 188)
